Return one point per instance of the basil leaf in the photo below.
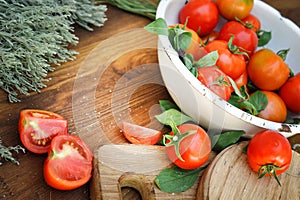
(159, 26)
(166, 105)
(264, 37)
(226, 139)
(180, 38)
(175, 179)
(173, 117)
(208, 60)
(283, 53)
(188, 60)
(258, 100)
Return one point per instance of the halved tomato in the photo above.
(69, 163)
(38, 127)
(140, 135)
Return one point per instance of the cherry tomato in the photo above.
(140, 135)
(231, 9)
(241, 81)
(195, 46)
(244, 38)
(267, 70)
(201, 15)
(290, 93)
(69, 163)
(275, 110)
(194, 149)
(253, 22)
(38, 127)
(234, 65)
(214, 79)
(210, 37)
(269, 148)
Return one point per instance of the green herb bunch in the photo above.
(35, 36)
(6, 153)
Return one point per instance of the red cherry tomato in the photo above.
(139, 134)
(267, 70)
(38, 127)
(253, 22)
(231, 9)
(69, 163)
(201, 15)
(234, 65)
(275, 110)
(194, 149)
(244, 38)
(290, 93)
(214, 79)
(269, 148)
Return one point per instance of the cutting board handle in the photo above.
(139, 182)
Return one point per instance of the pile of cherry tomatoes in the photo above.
(239, 58)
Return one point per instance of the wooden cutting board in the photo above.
(134, 166)
(229, 177)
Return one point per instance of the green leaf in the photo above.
(283, 53)
(159, 26)
(175, 179)
(264, 37)
(179, 38)
(243, 104)
(166, 105)
(208, 60)
(188, 60)
(259, 100)
(226, 139)
(173, 116)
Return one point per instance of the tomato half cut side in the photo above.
(69, 163)
(140, 135)
(38, 127)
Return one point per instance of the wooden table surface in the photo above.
(26, 180)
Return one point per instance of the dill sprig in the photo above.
(6, 153)
(35, 36)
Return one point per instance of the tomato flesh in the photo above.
(140, 135)
(38, 127)
(194, 149)
(69, 163)
(269, 147)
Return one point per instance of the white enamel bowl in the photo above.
(200, 103)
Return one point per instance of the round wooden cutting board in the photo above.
(230, 177)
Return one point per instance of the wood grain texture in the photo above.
(230, 177)
(26, 181)
(134, 166)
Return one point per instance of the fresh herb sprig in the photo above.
(6, 153)
(35, 36)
